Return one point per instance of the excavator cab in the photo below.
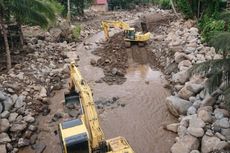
(130, 34)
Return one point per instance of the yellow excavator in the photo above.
(130, 34)
(84, 135)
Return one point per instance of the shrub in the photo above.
(165, 4)
(76, 32)
(185, 8)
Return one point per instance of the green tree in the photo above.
(33, 12)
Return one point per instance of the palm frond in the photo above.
(221, 41)
(225, 16)
(216, 71)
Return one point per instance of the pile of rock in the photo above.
(17, 123)
(25, 89)
(204, 124)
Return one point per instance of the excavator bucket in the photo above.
(72, 97)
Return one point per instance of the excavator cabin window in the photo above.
(130, 34)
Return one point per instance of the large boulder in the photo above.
(18, 127)
(185, 145)
(4, 125)
(196, 132)
(205, 116)
(177, 106)
(180, 77)
(195, 88)
(4, 138)
(222, 123)
(210, 144)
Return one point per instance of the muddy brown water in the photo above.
(140, 121)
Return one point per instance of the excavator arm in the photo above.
(106, 25)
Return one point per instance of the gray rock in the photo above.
(4, 138)
(1, 108)
(185, 145)
(5, 114)
(210, 144)
(19, 102)
(181, 131)
(189, 49)
(23, 142)
(3, 148)
(2, 96)
(12, 117)
(184, 93)
(32, 128)
(196, 122)
(220, 136)
(205, 116)
(209, 133)
(18, 127)
(195, 151)
(114, 71)
(9, 147)
(223, 123)
(177, 106)
(29, 119)
(192, 99)
(197, 104)
(43, 92)
(8, 104)
(39, 148)
(196, 132)
(4, 125)
(173, 127)
(191, 110)
(226, 133)
(179, 56)
(180, 77)
(208, 101)
(195, 88)
(220, 113)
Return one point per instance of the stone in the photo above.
(23, 142)
(205, 116)
(8, 104)
(184, 63)
(2, 96)
(180, 77)
(93, 62)
(208, 101)
(32, 128)
(220, 136)
(173, 127)
(196, 122)
(74, 113)
(1, 108)
(223, 123)
(39, 147)
(178, 56)
(3, 148)
(9, 147)
(184, 93)
(220, 113)
(4, 125)
(195, 88)
(18, 127)
(195, 151)
(197, 104)
(191, 110)
(177, 106)
(196, 132)
(12, 117)
(181, 131)
(185, 145)
(29, 119)
(210, 144)
(43, 92)
(189, 49)
(20, 102)
(4, 138)
(226, 133)
(5, 114)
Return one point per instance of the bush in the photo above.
(77, 32)
(209, 26)
(165, 4)
(185, 8)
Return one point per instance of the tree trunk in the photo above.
(173, 7)
(21, 34)
(68, 11)
(7, 48)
